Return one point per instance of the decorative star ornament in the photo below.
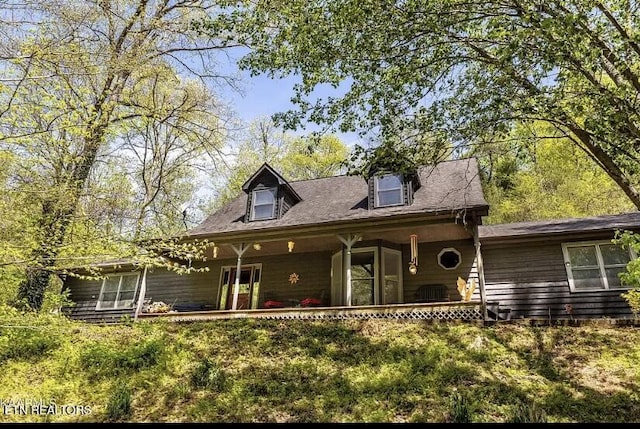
(293, 278)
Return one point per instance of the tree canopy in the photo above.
(295, 157)
(90, 91)
(463, 69)
(536, 175)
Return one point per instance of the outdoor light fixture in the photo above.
(215, 251)
(257, 246)
(413, 263)
(290, 245)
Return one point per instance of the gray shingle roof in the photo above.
(446, 187)
(561, 226)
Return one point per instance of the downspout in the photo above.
(480, 266)
(141, 295)
(236, 288)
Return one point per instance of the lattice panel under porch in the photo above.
(445, 313)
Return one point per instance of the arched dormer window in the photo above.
(264, 204)
(389, 190)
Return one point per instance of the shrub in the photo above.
(528, 413)
(208, 375)
(631, 276)
(119, 406)
(27, 335)
(460, 409)
(105, 360)
(25, 344)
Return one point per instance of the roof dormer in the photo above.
(269, 195)
(388, 189)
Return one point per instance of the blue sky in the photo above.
(263, 96)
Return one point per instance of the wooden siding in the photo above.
(197, 289)
(429, 272)
(314, 270)
(408, 192)
(287, 203)
(85, 294)
(371, 193)
(531, 280)
(247, 212)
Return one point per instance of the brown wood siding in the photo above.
(85, 294)
(409, 192)
(531, 279)
(406, 190)
(287, 203)
(247, 214)
(429, 272)
(264, 180)
(314, 270)
(371, 198)
(191, 289)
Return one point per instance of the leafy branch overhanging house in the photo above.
(395, 245)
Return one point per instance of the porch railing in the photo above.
(471, 310)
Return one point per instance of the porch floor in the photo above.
(467, 310)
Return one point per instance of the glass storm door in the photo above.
(363, 277)
(248, 290)
(391, 276)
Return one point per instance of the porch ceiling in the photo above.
(330, 243)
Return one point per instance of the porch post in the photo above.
(236, 288)
(480, 266)
(142, 294)
(349, 241)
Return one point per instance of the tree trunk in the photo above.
(55, 218)
(53, 226)
(608, 165)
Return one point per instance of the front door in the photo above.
(247, 291)
(363, 277)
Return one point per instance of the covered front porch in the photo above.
(412, 269)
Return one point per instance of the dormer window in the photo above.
(389, 190)
(269, 195)
(264, 204)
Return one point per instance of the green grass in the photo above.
(295, 371)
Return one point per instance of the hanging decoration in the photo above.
(215, 251)
(466, 290)
(413, 262)
(290, 245)
(257, 246)
(293, 278)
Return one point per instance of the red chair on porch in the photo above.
(273, 304)
(311, 302)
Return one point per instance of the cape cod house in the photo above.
(395, 245)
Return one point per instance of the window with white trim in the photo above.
(118, 291)
(595, 265)
(263, 204)
(389, 190)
